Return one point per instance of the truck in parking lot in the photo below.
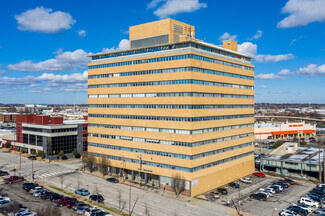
(13, 179)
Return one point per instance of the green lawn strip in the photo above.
(89, 201)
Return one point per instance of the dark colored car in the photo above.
(63, 201)
(96, 197)
(77, 204)
(315, 198)
(298, 210)
(222, 190)
(46, 195)
(31, 186)
(13, 179)
(3, 173)
(259, 196)
(112, 180)
(274, 188)
(100, 214)
(281, 184)
(292, 182)
(234, 185)
(71, 203)
(32, 157)
(25, 184)
(55, 196)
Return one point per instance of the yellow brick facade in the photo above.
(199, 181)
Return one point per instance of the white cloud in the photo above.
(68, 82)
(262, 86)
(258, 34)
(302, 12)
(82, 33)
(247, 48)
(269, 76)
(284, 72)
(64, 61)
(172, 7)
(123, 45)
(227, 36)
(312, 70)
(154, 3)
(274, 58)
(43, 20)
(250, 49)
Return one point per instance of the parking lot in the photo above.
(273, 205)
(16, 193)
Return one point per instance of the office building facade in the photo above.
(173, 106)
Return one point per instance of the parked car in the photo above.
(282, 184)
(55, 196)
(215, 194)
(268, 192)
(82, 192)
(292, 182)
(89, 211)
(71, 203)
(4, 203)
(309, 202)
(101, 213)
(46, 195)
(77, 204)
(38, 193)
(5, 198)
(234, 185)
(298, 210)
(30, 187)
(259, 174)
(246, 180)
(304, 206)
(222, 190)
(63, 201)
(3, 173)
(259, 196)
(287, 212)
(278, 186)
(112, 180)
(32, 190)
(32, 157)
(82, 208)
(13, 179)
(96, 197)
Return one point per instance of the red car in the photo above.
(63, 201)
(13, 179)
(259, 174)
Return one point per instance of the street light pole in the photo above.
(32, 169)
(20, 162)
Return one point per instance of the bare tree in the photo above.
(49, 210)
(103, 166)
(178, 183)
(121, 202)
(89, 160)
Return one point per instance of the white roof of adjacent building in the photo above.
(68, 122)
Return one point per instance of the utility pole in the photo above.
(239, 199)
(319, 164)
(32, 169)
(20, 162)
(130, 198)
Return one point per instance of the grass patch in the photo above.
(90, 201)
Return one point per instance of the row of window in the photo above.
(168, 142)
(168, 154)
(170, 58)
(171, 130)
(171, 118)
(170, 70)
(168, 166)
(169, 106)
(171, 82)
(170, 94)
(169, 47)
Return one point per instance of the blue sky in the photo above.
(44, 44)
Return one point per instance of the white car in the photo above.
(269, 193)
(89, 211)
(35, 189)
(279, 186)
(22, 211)
(270, 189)
(309, 202)
(321, 185)
(246, 180)
(287, 212)
(4, 198)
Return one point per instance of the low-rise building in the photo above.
(8, 117)
(287, 130)
(50, 134)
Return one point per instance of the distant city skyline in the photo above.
(44, 45)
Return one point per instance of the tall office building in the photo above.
(173, 106)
